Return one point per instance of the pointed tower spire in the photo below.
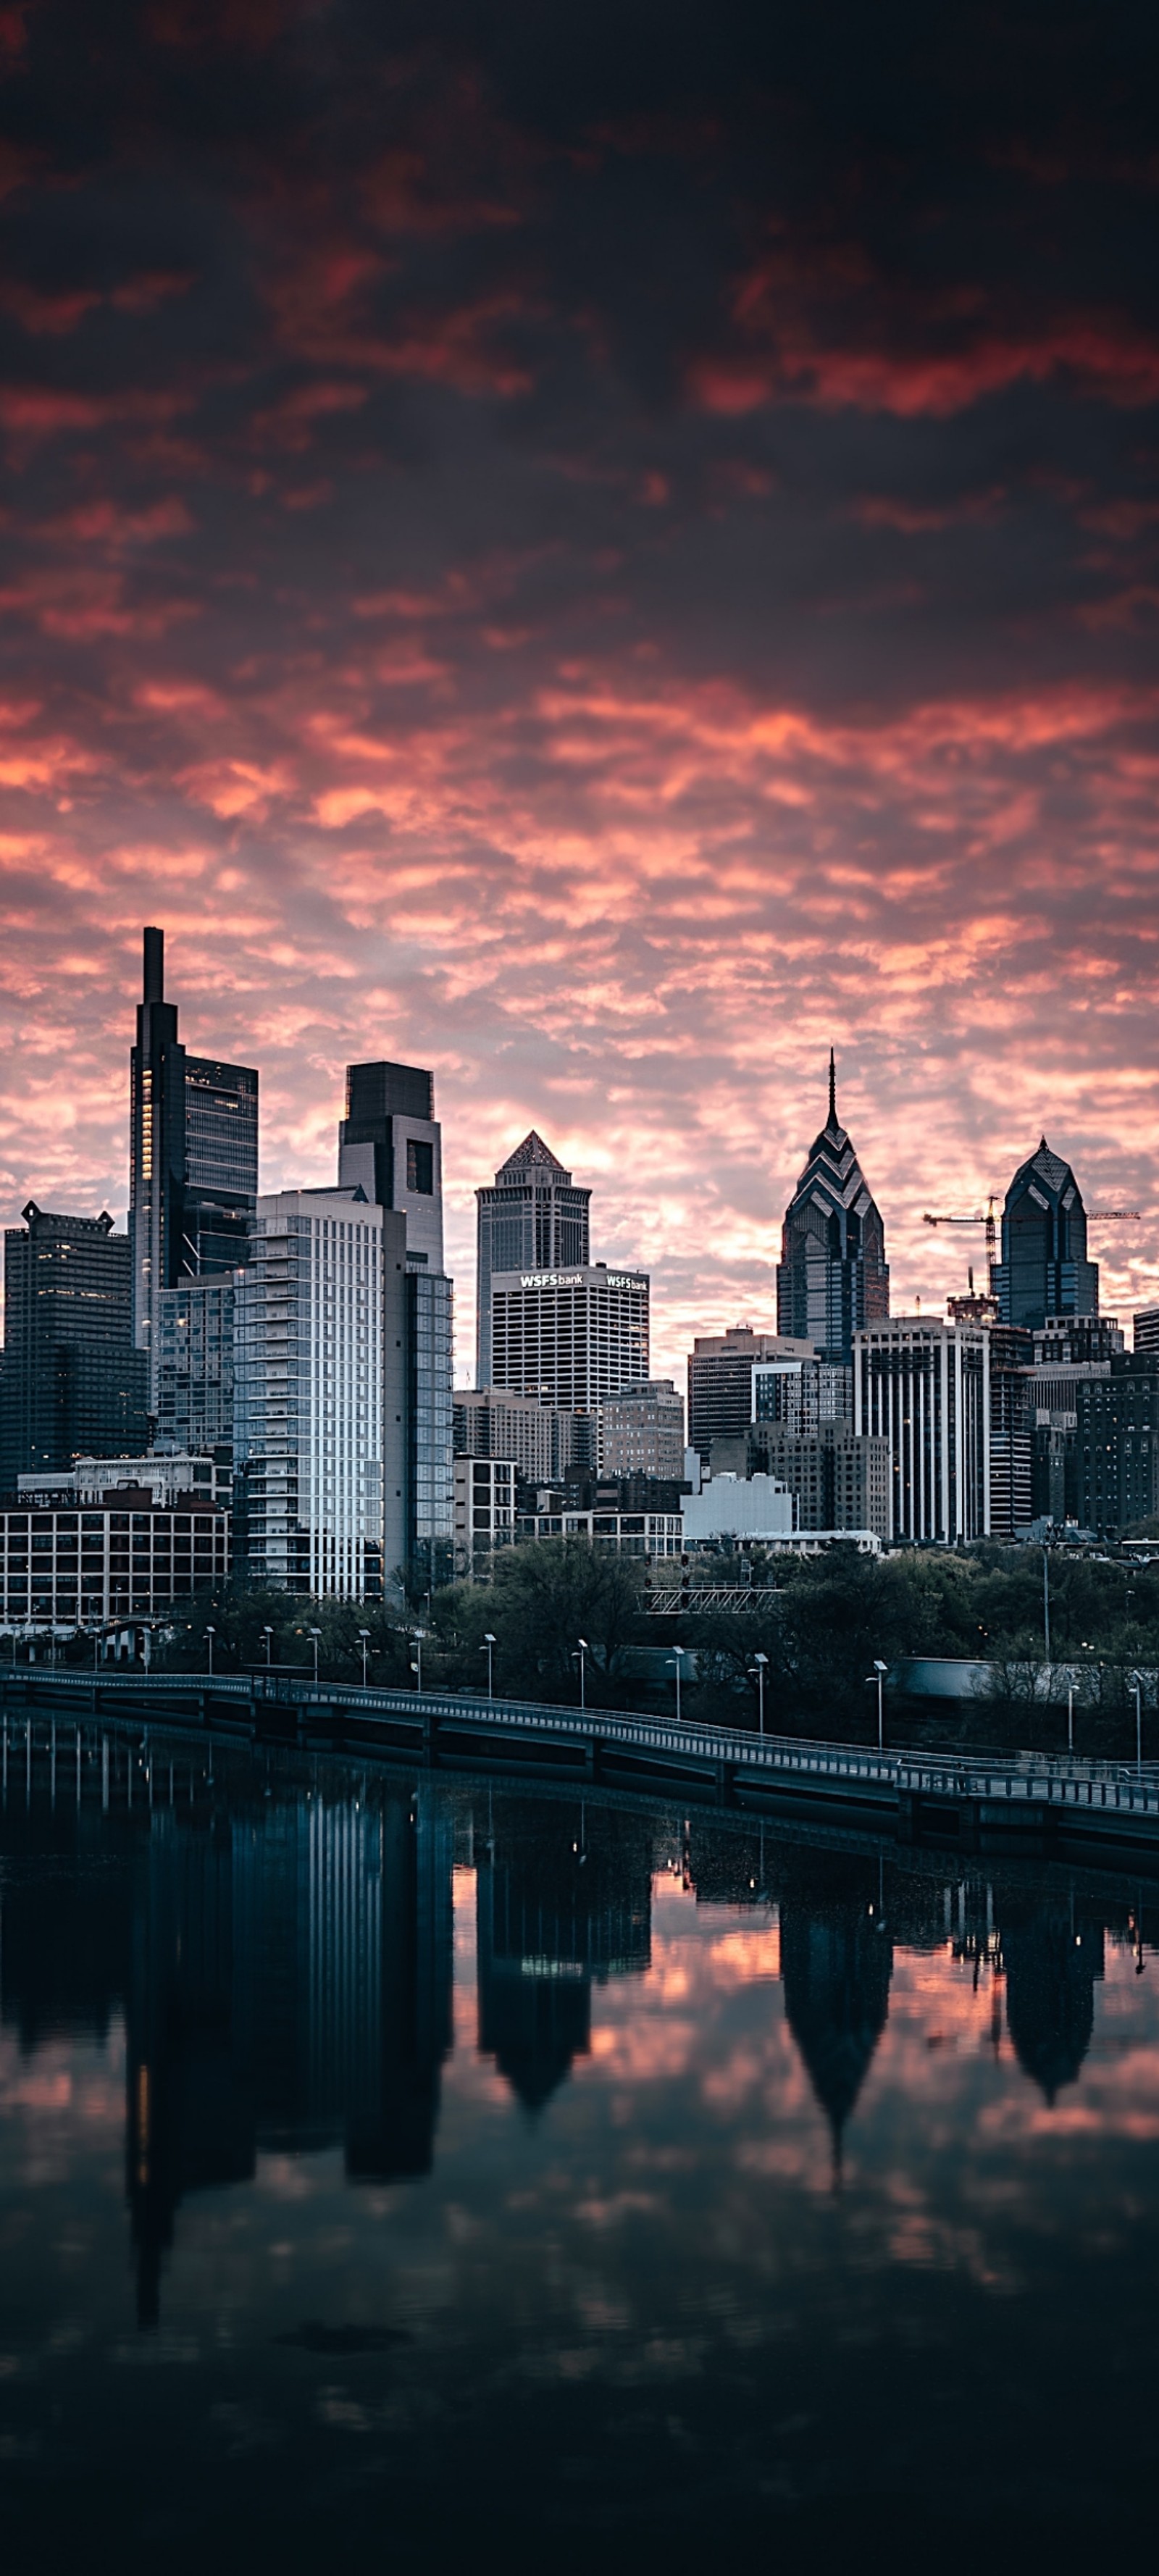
(832, 1119)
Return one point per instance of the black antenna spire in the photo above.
(832, 1090)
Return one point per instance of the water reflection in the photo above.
(281, 1953)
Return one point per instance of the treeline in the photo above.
(820, 1623)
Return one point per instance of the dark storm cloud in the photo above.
(599, 551)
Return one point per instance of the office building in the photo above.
(569, 1337)
(96, 1480)
(641, 1431)
(193, 1156)
(801, 1394)
(1044, 1270)
(534, 1218)
(720, 1380)
(318, 1370)
(390, 1146)
(837, 1480)
(744, 1507)
(72, 1382)
(1117, 1445)
(126, 1556)
(1011, 1429)
(485, 1490)
(924, 1388)
(194, 1389)
(637, 1532)
(832, 1278)
(1147, 1331)
(542, 1439)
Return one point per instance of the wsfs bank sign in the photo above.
(576, 1279)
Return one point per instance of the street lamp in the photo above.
(679, 1652)
(879, 1672)
(580, 1659)
(488, 1649)
(315, 1633)
(417, 1667)
(210, 1634)
(757, 1674)
(268, 1634)
(364, 1642)
(1136, 1682)
(1070, 1717)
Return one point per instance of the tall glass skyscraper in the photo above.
(1044, 1268)
(193, 1159)
(534, 1218)
(833, 1277)
(72, 1383)
(390, 1145)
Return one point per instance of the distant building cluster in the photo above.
(266, 1382)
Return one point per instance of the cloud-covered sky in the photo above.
(601, 551)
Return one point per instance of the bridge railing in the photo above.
(1056, 1779)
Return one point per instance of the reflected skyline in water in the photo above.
(369, 2097)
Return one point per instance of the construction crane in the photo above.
(989, 1221)
(1095, 1216)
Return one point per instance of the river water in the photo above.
(395, 2170)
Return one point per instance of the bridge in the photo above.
(1017, 1803)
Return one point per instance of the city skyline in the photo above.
(675, 1320)
(602, 565)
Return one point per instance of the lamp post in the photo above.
(210, 1634)
(679, 1652)
(878, 1674)
(757, 1674)
(488, 1649)
(581, 1659)
(268, 1634)
(364, 1642)
(315, 1633)
(1136, 1682)
(417, 1665)
(1070, 1717)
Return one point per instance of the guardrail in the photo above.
(1024, 1778)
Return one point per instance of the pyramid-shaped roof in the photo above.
(1047, 1166)
(532, 1152)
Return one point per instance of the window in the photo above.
(420, 1166)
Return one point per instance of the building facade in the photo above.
(72, 1383)
(542, 1439)
(801, 1394)
(837, 1480)
(643, 1534)
(66, 1567)
(641, 1431)
(533, 1218)
(485, 1491)
(1146, 1334)
(833, 1277)
(569, 1337)
(194, 1377)
(1044, 1270)
(390, 1146)
(209, 1480)
(193, 1159)
(924, 1388)
(746, 1507)
(720, 1380)
(312, 1320)
(1117, 1445)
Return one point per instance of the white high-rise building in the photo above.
(569, 1337)
(925, 1388)
(312, 1392)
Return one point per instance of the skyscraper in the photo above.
(312, 1393)
(533, 1219)
(72, 1380)
(390, 1146)
(924, 1387)
(570, 1337)
(193, 1152)
(720, 1380)
(1044, 1268)
(833, 1277)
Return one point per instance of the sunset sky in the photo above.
(601, 551)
